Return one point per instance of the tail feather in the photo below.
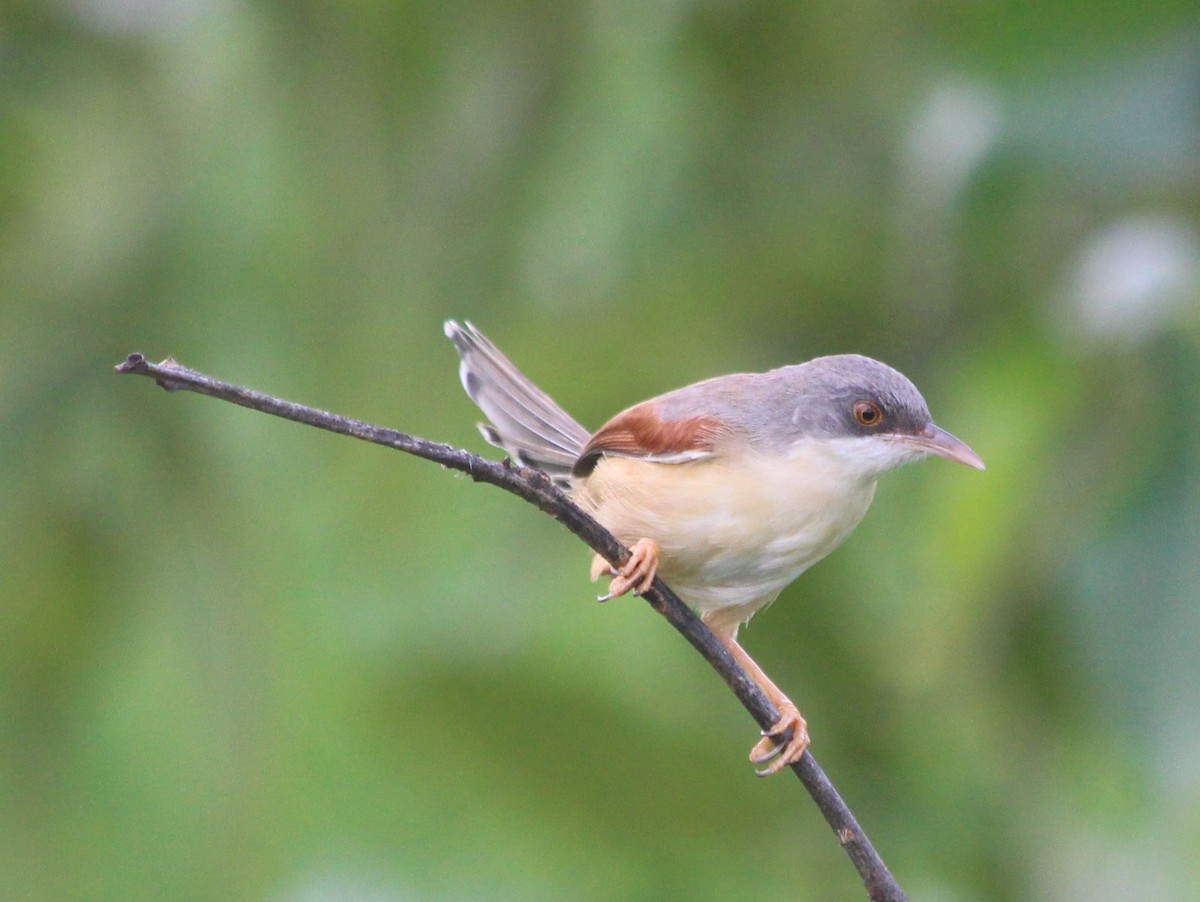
(525, 422)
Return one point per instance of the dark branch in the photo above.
(536, 488)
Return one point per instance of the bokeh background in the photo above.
(240, 659)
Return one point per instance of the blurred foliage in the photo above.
(243, 660)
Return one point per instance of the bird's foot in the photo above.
(780, 755)
(635, 574)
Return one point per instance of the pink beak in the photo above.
(936, 440)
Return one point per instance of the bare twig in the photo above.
(536, 488)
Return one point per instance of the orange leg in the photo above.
(769, 748)
(637, 573)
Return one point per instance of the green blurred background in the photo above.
(240, 659)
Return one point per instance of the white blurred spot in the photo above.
(951, 134)
(137, 17)
(1179, 754)
(1134, 276)
(338, 887)
(1109, 866)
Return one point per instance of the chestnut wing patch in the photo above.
(640, 432)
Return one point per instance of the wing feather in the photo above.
(641, 432)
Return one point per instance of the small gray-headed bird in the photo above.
(728, 489)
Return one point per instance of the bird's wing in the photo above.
(642, 432)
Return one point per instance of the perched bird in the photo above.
(728, 489)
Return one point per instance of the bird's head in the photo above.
(872, 413)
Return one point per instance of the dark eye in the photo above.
(867, 414)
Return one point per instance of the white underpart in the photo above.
(734, 530)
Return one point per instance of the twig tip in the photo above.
(131, 364)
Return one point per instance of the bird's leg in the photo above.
(637, 573)
(769, 748)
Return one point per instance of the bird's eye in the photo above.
(867, 414)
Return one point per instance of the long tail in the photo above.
(525, 422)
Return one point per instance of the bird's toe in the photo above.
(781, 755)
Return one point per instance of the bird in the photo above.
(728, 489)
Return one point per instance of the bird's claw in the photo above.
(636, 574)
(781, 755)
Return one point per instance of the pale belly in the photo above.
(731, 537)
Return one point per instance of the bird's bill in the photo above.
(936, 440)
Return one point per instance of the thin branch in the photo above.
(536, 488)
